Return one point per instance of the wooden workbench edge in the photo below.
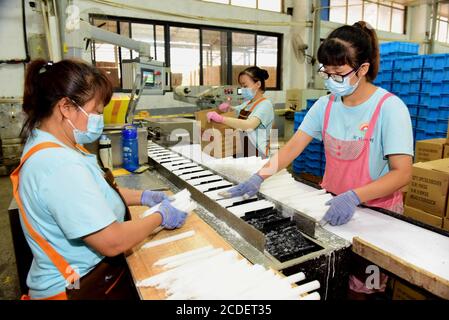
(401, 268)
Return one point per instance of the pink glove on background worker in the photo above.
(215, 117)
(224, 107)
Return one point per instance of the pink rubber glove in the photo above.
(215, 117)
(224, 107)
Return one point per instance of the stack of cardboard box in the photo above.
(427, 195)
(218, 140)
(432, 149)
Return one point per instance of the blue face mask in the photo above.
(341, 89)
(248, 93)
(95, 125)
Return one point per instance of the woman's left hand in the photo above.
(342, 208)
(151, 198)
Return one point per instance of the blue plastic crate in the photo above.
(396, 88)
(413, 109)
(428, 113)
(298, 168)
(409, 63)
(410, 99)
(433, 75)
(427, 124)
(299, 116)
(397, 55)
(445, 86)
(442, 125)
(399, 47)
(386, 75)
(436, 61)
(432, 87)
(315, 147)
(314, 157)
(434, 100)
(386, 64)
(310, 103)
(387, 85)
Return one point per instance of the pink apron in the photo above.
(347, 162)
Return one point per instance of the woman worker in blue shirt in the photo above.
(255, 115)
(366, 130)
(73, 218)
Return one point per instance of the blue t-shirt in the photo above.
(392, 135)
(265, 113)
(65, 197)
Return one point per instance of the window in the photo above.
(442, 31)
(185, 56)
(214, 57)
(270, 5)
(243, 53)
(382, 15)
(196, 55)
(106, 56)
(266, 57)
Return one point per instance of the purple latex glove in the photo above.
(151, 198)
(224, 107)
(171, 217)
(215, 117)
(246, 189)
(342, 208)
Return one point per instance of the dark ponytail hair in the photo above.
(352, 45)
(46, 83)
(256, 74)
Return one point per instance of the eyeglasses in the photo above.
(336, 77)
(77, 105)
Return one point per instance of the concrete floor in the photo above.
(9, 283)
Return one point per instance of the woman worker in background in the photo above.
(72, 217)
(255, 115)
(367, 132)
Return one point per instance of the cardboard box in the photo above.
(402, 291)
(218, 140)
(429, 186)
(423, 216)
(446, 224)
(446, 151)
(428, 150)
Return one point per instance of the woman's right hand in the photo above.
(246, 189)
(171, 217)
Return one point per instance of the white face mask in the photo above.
(95, 125)
(342, 89)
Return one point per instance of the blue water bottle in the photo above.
(130, 148)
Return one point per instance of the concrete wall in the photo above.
(12, 44)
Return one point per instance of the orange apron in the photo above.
(61, 264)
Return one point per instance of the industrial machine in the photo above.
(142, 75)
(208, 96)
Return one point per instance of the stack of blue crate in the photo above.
(434, 98)
(385, 76)
(393, 50)
(407, 81)
(312, 159)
